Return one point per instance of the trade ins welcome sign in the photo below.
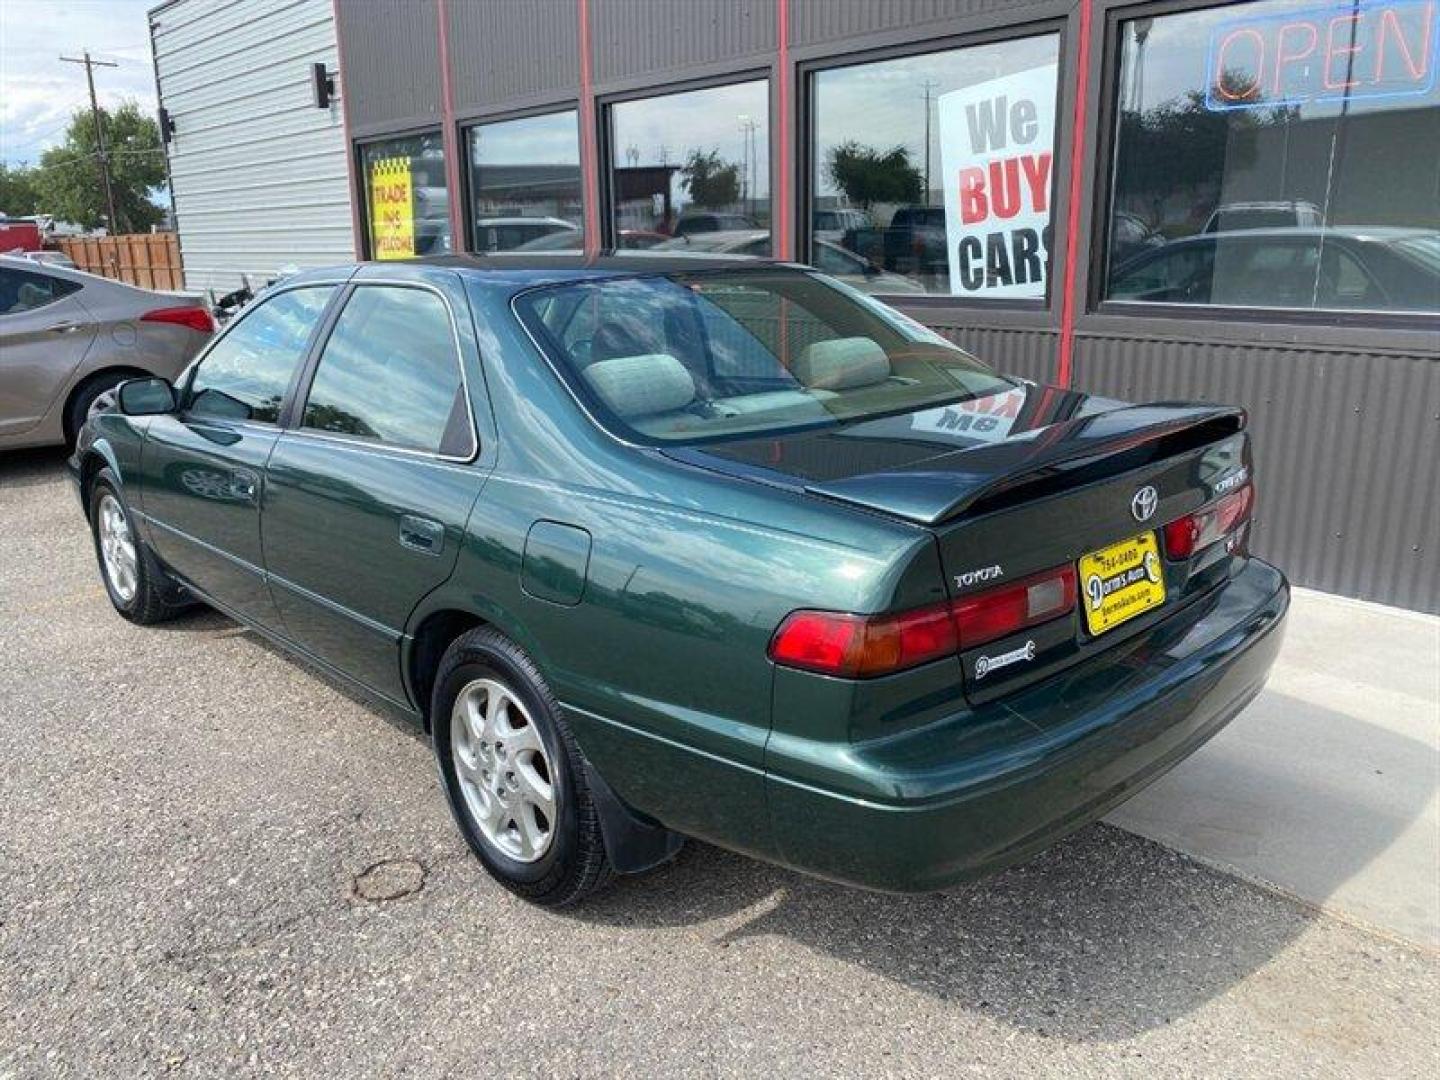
(995, 148)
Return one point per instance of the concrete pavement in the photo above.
(1328, 785)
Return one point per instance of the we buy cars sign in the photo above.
(995, 149)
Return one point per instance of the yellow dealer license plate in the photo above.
(1121, 581)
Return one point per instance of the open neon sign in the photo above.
(1363, 50)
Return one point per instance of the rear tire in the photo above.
(513, 774)
(133, 579)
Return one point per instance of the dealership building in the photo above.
(1150, 201)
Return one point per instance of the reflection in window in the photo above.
(1279, 154)
(692, 164)
(525, 187)
(406, 198)
(389, 372)
(247, 372)
(684, 357)
(936, 170)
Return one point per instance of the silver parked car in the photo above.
(67, 337)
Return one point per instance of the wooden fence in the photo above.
(150, 260)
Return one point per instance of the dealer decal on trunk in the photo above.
(986, 664)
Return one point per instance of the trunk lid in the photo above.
(1027, 480)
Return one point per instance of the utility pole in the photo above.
(927, 86)
(748, 167)
(101, 156)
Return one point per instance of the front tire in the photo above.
(513, 774)
(133, 580)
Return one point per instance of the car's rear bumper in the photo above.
(994, 785)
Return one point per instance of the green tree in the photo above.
(867, 175)
(18, 196)
(1182, 148)
(68, 179)
(711, 180)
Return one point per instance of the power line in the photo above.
(101, 156)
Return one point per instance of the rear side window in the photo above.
(390, 372)
(245, 376)
(21, 290)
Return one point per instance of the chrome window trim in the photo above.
(357, 445)
(355, 442)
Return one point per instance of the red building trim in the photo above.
(449, 134)
(589, 150)
(784, 239)
(1068, 299)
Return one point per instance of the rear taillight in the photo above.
(196, 318)
(861, 646)
(1008, 609)
(1195, 532)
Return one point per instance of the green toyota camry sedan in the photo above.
(711, 547)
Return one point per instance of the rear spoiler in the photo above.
(1031, 465)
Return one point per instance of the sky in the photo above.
(38, 92)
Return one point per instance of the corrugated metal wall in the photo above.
(488, 72)
(652, 38)
(815, 21)
(395, 45)
(258, 172)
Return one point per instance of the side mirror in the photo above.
(145, 397)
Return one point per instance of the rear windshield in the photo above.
(702, 356)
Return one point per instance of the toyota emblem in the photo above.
(1143, 503)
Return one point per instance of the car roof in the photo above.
(719, 241)
(525, 219)
(66, 273)
(517, 270)
(1360, 234)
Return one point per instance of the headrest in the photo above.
(642, 385)
(841, 364)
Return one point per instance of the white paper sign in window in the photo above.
(995, 149)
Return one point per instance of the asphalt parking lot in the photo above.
(213, 861)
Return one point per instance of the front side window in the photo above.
(389, 373)
(406, 198)
(691, 164)
(1280, 154)
(246, 374)
(937, 170)
(20, 290)
(694, 357)
(525, 190)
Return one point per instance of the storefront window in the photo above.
(407, 203)
(525, 190)
(936, 170)
(693, 169)
(1279, 155)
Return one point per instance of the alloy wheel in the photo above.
(505, 775)
(117, 549)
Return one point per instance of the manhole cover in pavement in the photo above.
(389, 879)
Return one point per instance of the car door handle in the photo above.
(421, 534)
(62, 328)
